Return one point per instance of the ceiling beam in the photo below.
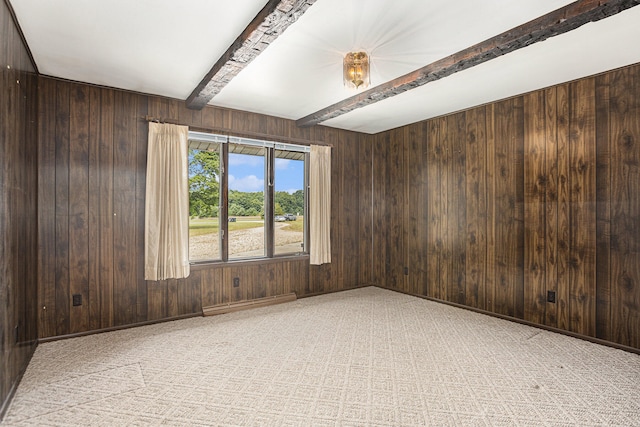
(552, 24)
(274, 18)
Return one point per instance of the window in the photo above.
(247, 198)
(204, 200)
(246, 201)
(288, 206)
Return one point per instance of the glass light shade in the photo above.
(356, 70)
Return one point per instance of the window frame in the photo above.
(268, 192)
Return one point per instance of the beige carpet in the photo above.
(366, 357)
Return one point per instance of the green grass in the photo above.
(297, 225)
(202, 226)
(241, 224)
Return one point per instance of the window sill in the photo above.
(205, 265)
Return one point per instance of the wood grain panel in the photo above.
(101, 175)
(433, 241)
(444, 220)
(172, 298)
(273, 281)
(582, 199)
(603, 208)
(158, 299)
(509, 293)
(141, 141)
(380, 230)
(79, 206)
(211, 283)
(262, 278)
(282, 279)
(406, 225)
(105, 175)
(457, 208)
(300, 275)
(563, 230)
(559, 169)
(93, 209)
(476, 207)
(394, 214)
(457, 217)
(535, 174)
(329, 275)
(124, 184)
(267, 279)
(491, 174)
(28, 318)
(61, 133)
(365, 198)
(46, 214)
(550, 207)
(245, 275)
(518, 189)
(19, 219)
(506, 231)
(416, 215)
(625, 206)
(190, 294)
(351, 211)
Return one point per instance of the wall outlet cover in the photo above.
(77, 300)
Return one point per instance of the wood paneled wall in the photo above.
(497, 205)
(92, 185)
(489, 208)
(18, 198)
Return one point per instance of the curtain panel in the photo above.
(320, 204)
(167, 203)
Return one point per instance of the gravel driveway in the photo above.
(243, 243)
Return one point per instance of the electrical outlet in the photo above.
(551, 296)
(236, 282)
(77, 299)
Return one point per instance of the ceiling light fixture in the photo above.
(356, 70)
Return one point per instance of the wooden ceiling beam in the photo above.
(274, 18)
(552, 24)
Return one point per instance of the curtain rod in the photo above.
(231, 132)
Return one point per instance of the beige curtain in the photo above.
(166, 237)
(320, 204)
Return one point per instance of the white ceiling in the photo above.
(165, 47)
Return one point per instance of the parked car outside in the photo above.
(290, 217)
(279, 218)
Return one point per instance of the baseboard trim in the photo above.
(184, 316)
(247, 304)
(523, 322)
(118, 328)
(333, 291)
(4, 407)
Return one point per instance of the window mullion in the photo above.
(307, 221)
(224, 204)
(268, 202)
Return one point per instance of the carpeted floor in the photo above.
(366, 357)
